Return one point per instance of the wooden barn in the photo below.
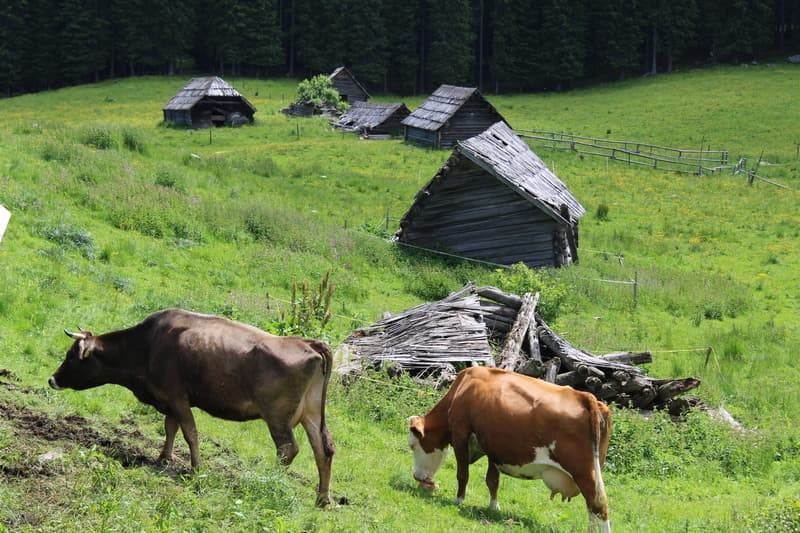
(449, 115)
(348, 86)
(206, 102)
(496, 201)
(371, 120)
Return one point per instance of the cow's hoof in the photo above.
(493, 505)
(323, 500)
(459, 501)
(166, 459)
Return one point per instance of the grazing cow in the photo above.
(528, 428)
(175, 360)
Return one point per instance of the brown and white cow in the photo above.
(528, 429)
(175, 360)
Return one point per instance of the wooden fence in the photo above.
(690, 161)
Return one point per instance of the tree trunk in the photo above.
(653, 64)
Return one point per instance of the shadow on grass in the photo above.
(478, 513)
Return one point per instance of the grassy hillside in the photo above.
(115, 216)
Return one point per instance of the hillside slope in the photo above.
(115, 216)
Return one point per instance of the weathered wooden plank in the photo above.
(510, 355)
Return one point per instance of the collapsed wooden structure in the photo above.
(349, 88)
(427, 339)
(373, 120)
(435, 340)
(449, 115)
(206, 102)
(495, 200)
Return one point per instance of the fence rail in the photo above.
(687, 160)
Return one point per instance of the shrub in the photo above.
(70, 237)
(133, 140)
(59, 151)
(520, 279)
(164, 177)
(430, 284)
(99, 137)
(319, 90)
(602, 212)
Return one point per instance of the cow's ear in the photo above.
(416, 424)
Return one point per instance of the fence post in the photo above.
(209, 134)
(635, 289)
(386, 223)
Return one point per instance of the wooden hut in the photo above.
(371, 120)
(348, 86)
(495, 200)
(206, 102)
(449, 115)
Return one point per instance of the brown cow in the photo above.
(528, 428)
(175, 360)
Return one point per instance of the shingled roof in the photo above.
(500, 152)
(440, 107)
(199, 88)
(365, 115)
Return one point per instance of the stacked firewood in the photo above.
(531, 347)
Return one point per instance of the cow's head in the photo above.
(429, 449)
(81, 368)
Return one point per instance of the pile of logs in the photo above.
(531, 347)
(433, 341)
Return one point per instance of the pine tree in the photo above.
(559, 49)
(514, 43)
(452, 40)
(738, 29)
(319, 37)
(402, 18)
(364, 44)
(14, 39)
(616, 37)
(260, 37)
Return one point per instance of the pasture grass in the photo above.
(116, 216)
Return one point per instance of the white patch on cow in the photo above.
(459, 501)
(545, 468)
(53, 383)
(605, 526)
(493, 505)
(425, 464)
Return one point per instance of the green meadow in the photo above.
(116, 216)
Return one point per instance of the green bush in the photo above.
(99, 137)
(520, 279)
(319, 90)
(602, 212)
(430, 283)
(70, 237)
(133, 140)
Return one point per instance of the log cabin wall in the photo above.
(473, 118)
(348, 88)
(421, 136)
(471, 213)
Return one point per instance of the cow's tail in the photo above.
(327, 369)
(601, 434)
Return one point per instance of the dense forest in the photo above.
(405, 46)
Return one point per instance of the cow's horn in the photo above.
(78, 336)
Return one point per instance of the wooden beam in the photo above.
(510, 355)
